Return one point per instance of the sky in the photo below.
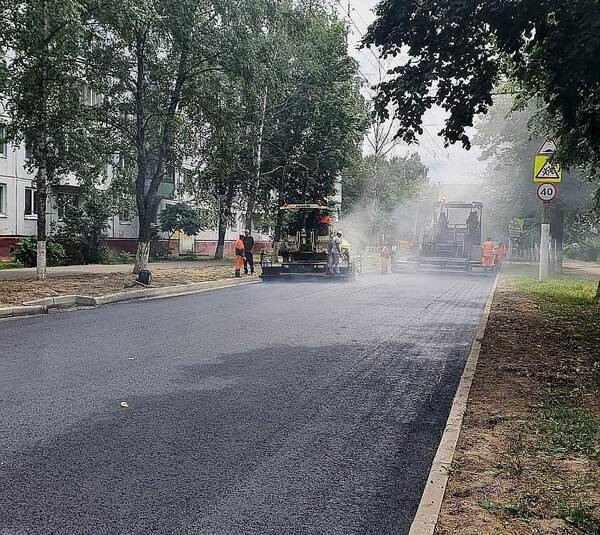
(453, 164)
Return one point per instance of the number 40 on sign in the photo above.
(547, 192)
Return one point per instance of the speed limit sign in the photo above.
(547, 192)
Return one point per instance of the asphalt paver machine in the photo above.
(453, 240)
(304, 250)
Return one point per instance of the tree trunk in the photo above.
(142, 256)
(279, 217)
(42, 148)
(256, 164)
(146, 198)
(221, 237)
(41, 258)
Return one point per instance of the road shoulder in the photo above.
(528, 456)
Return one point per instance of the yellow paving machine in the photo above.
(308, 230)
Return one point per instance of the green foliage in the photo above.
(122, 257)
(584, 519)
(180, 218)
(26, 252)
(567, 299)
(505, 138)
(377, 189)
(7, 264)
(549, 51)
(158, 251)
(84, 228)
(587, 250)
(566, 428)
(49, 119)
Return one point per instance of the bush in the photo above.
(587, 250)
(26, 252)
(158, 251)
(122, 257)
(9, 264)
(83, 230)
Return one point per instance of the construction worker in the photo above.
(384, 256)
(335, 251)
(487, 251)
(501, 253)
(248, 254)
(239, 255)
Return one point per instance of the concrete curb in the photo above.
(430, 505)
(42, 306)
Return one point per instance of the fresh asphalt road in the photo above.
(308, 408)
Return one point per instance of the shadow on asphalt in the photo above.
(286, 440)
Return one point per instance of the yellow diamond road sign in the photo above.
(544, 170)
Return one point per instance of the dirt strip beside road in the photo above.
(14, 292)
(527, 460)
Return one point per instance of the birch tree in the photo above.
(40, 85)
(142, 56)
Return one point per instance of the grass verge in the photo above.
(529, 450)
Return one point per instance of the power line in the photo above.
(360, 31)
(386, 69)
(320, 22)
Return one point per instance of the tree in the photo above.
(179, 218)
(216, 181)
(41, 87)
(256, 153)
(375, 193)
(547, 51)
(142, 57)
(318, 130)
(505, 135)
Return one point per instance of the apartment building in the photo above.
(18, 208)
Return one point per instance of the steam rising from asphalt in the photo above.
(408, 219)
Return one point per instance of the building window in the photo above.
(31, 202)
(63, 200)
(3, 144)
(3, 199)
(125, 216)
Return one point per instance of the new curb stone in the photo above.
(428, 512)
(42, 306)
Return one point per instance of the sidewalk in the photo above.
(99, 269)
(593, 268)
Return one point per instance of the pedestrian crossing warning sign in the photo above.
(544, 170)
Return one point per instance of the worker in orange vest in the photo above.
(500, 254)
(384, 256)
(487, 250)
(239, 255)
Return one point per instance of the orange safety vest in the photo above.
(239, 248)
(488, 248)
